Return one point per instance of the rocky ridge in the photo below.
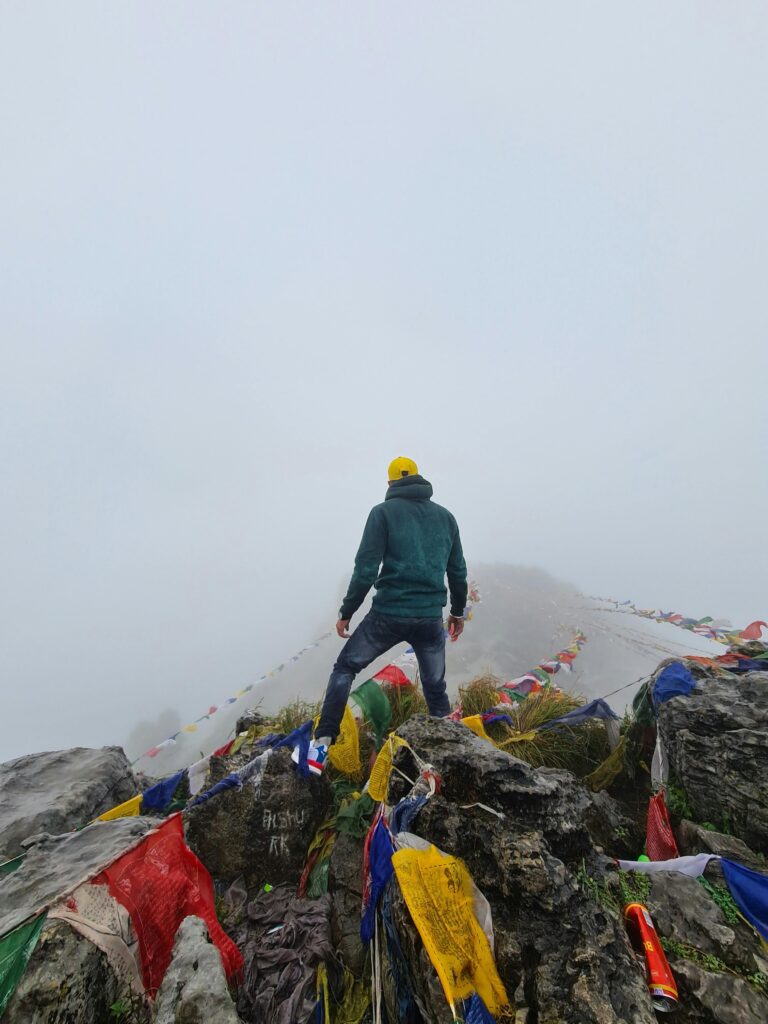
(537, 842)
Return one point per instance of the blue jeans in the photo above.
(375, 635)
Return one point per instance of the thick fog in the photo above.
(251, 252)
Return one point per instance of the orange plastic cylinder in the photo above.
(661, 981)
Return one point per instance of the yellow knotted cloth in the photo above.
(475, 723)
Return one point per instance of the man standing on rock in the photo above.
(409, 545)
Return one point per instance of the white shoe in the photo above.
(317, 755)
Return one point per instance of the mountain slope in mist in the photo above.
(524, 617)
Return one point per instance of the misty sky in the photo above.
(250, 252)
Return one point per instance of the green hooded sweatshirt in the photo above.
(409, 545)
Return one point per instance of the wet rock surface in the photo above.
(58, 791)
(716, 740)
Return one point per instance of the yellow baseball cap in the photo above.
(401, 467)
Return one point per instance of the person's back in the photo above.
(409, 545)
(406, 550)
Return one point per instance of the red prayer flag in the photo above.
(753, 631)
(223, 751)
(393, 675)
(160, 882)
(660, 839)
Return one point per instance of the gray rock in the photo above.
(261, 835)
(693, 838)
(567, 958)
(716, 740)
(249, 719)
(611, 829)
(711, 997)
(345, 883)
(194, 989)
(67, 981)
(58, 791)
(682, 910)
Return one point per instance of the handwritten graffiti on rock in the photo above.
(278, 823)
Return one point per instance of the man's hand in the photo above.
(455, 626)
(341, 628)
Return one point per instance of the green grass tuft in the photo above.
(292, 715)
(405, 701)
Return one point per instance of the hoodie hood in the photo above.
(415, 487)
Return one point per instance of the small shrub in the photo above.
(480, 695)
(405, 701)
(722, 897)
(294, 714)
(677, 802)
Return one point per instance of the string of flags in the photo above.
(473, 597)
(540, 678)
(719, 630)
(193, 726)
(162, 795)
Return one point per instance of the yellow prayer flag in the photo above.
(344, 754)
(129, 809)
(192, 727)
(378, 784)
(438, 893)
(519, 737)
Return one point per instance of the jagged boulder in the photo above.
(67, 980)
(259, 833)
(716, 740)
(345, 884)
(250, 718)
(59, 790)
(611, 829)
(714, 997)
(194, 989)
(560, 954)
(693, 838)
(683, 911)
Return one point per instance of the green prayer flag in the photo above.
(354, 816)
(318, 879)
(15, 950)
(375, 706)
(642, 707)
(10, 866)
